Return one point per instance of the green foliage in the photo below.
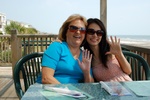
(21, 29)
(1, 33)
(14, 25)
(6, 56)
(31, 31)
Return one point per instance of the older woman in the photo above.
(64, 62)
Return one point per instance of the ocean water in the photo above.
(135, 40)
(140, 38)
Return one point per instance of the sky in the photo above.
(124, 17)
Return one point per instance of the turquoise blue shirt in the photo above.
(59, 57)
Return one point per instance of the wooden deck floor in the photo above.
(7, 90)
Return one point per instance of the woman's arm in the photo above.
(88, 77)
(123, 63)
(49, 61)
(85, 65)
(48, 76)
(116, 50)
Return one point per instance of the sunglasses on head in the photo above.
(92, 32)
(73, 28)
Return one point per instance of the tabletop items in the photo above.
(134, 90)
(115, 88)
(65, 91)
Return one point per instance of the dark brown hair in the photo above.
(104, 46)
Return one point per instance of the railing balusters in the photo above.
(22, 44)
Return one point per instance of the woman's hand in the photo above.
(115, 47)
(57, 40)
(85, 64)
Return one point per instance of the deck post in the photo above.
(103, 12)
(15, 47)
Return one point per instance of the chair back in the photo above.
(124, 48)
(140, 67)
(26, 72)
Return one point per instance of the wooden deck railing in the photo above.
(143, 51)
(26, 44)
(14, 46)
(5, 49)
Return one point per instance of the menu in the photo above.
(115, 88)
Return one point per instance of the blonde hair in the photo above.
(64, 27)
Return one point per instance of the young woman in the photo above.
(108, 62)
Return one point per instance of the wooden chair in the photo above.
(140, 68)
(26, 71)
